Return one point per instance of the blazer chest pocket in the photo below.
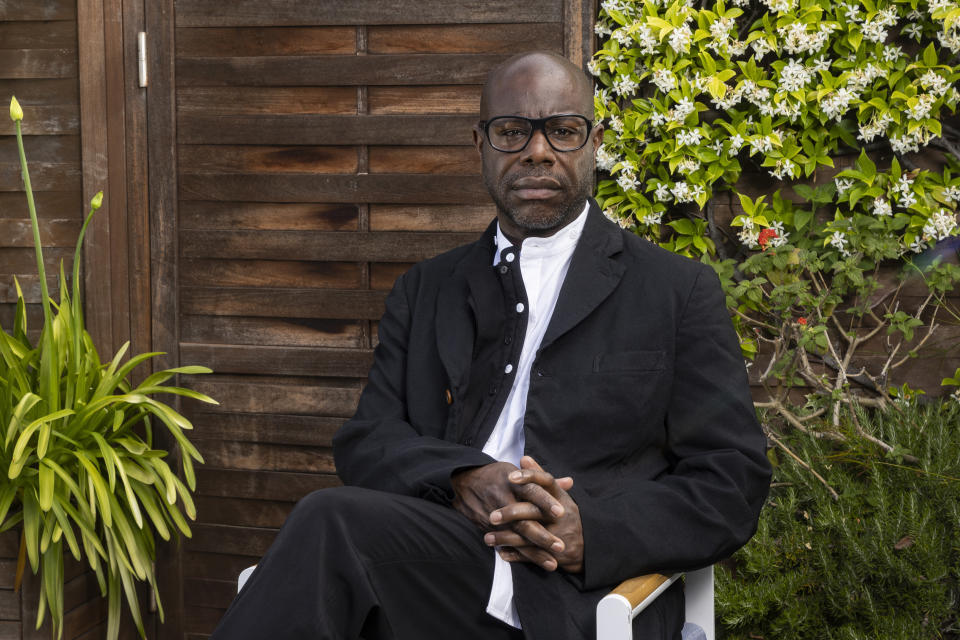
(625, 361)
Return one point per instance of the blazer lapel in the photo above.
(465, 303)
(592, 276)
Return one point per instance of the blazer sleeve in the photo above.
(379, 448)
(707, 506)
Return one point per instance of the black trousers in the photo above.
(353, 563)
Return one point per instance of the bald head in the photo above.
(525, 76)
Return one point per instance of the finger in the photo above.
(527, 462)
(515, 512)
(536, 534)
(565, 483)
(535, 555)
(504, 538)
(545, 501)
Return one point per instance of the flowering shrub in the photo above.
(693, 95)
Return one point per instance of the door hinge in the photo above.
(142, 57)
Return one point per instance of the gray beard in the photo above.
(566, 212)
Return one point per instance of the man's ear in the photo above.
(597, 135)
(477, 138)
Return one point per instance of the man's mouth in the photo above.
(536, 188)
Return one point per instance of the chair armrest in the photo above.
(616, 611)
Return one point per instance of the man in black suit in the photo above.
(552, 409)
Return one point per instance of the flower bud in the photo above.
(16, 112)
(96, 201)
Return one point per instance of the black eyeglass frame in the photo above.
(537, 124)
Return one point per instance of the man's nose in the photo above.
(538, 150)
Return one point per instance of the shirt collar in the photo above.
(561, 242)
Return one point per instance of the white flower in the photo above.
(662, 193)
(680, 38)
(761, 144)
(652, 217)
(882, 208)
(837, 103)
(736, 48)
(627, 181)
(839, 242)
(784, 167)
(593, 67)
(921, 110)
(625, 86)
(664, 80)
(605, 159)
(644, 37)
(689, 138)
(908, 199)
(934, 82)
(688, 166)
(657, 118)
(601, 29)
(952, 194)
(720, 29)
(843, 184)
(611, 214)
(782, 236)
(822, 63)
(621, 36)
(681, 191)
(760, 47)
(940, 225)
(793, 76)
(892, 53)
(616, 124)
(851, 12)
(918, 245)
(682, 109)
(796, 39)
(749, 237)
(780, 6)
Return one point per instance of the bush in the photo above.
(881, 561)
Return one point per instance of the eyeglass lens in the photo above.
(564, 133)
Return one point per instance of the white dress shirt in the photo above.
(543, 266)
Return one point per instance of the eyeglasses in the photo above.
(511, 134)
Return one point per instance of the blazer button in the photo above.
(449, 397)
(504, 269)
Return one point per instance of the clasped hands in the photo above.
(526, 512)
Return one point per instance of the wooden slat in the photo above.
(211, 593)
(266, 159)
(197, 13)
(271, 273)
(391, 188)
(8, 569)
(9, 630)
(330, 304)
(386, 246)
(345, 363)
(253, 215)
(276, 428)
(35, 91)
(462, 38)
(9, 544)
(464, 161)
(219, 566)
(294, 405)
(280, 332)
(194, 128)
(298, 71)
(387, 217)
(263, 485)
(241, 513)
(416, 100)
(50, 204)
(215, 101)
(29, 285)
(34, 322)
(41, 149)
(260, 41)
(53, 233)
(40, 120)
(245, 541)
(43, 176)
(38, 10)
(201, 621)
(38, 35)
(9, 605)
(23, 260)
(38, 63)
(383, 275)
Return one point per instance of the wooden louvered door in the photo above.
(302, 155)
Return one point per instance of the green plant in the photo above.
(882, 561)
(79, 467)
(695, 94)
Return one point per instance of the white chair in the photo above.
(616, 611)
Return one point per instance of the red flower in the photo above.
(802, 321)
(766, 236)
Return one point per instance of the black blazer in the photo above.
(638, 391)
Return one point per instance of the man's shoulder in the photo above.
(652, 259)
(440, 267)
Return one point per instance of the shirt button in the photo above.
(504, 269)
(508, 368)
(520, 307)
(510, 257)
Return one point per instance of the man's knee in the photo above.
(340, 504)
